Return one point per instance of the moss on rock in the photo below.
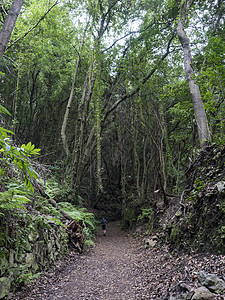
(5, 284)
(203, 213)
(26, 249)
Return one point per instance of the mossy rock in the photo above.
(4, 252)
(4, 265)
(29, 258)
(33, 234)
(5, 284)
(200, 228)
(35, 267)
(12, 254)
(26, 249)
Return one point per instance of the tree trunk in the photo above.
(66, 115)
(83, 145)
(9, 25)
(200, 114)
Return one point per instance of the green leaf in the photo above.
(5, 130)
(30, 149)
(3, 110)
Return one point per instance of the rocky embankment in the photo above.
(125, 266)
(199, 224)
(29, 244)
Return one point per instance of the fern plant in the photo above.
(146, 216)
(9, 200)
(81, 214)
(15, 161)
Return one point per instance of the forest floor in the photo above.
(120, 267)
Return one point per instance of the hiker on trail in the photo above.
(103, 223)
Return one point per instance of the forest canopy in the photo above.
(119, 95)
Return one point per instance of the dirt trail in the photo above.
(107, 272)
(120, 268)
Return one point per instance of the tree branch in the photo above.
(42, 18)
(9, 24)
(144, 80)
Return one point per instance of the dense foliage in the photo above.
(100, 87)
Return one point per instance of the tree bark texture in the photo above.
(9, 25)
(200, 114)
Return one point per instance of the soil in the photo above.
(120, 267)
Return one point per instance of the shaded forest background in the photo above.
(100, 87)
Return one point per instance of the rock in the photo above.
(50, 246)
(14, 273)
(29, 259)
(138, 230)
(4, 265)
(185, 287)
(35, 251)
(182, 296)
(39, 247)
(20, 257)
(202, 293)
(4, 286)
(150, 243)
(185, 292)
(179, 297)
(189, 295)
(212, 282)
(220, 186)
(12, 254)
(35, 267)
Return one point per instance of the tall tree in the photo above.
(9, 25)
(128, 121)
(200, 114)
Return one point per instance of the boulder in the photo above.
(202, 293)
(212, 282)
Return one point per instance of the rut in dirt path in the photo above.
(108, 272)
